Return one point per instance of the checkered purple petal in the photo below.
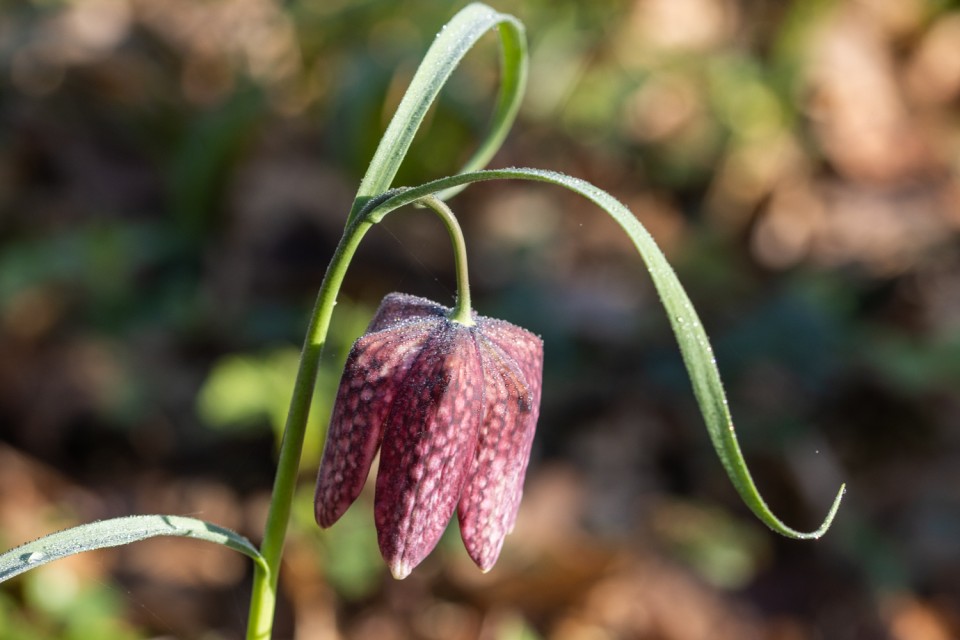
(430, 439)
(512, 361)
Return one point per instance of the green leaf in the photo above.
(694, 345)
(116, 532)
(452, 43)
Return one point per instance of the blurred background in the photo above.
(174, 176)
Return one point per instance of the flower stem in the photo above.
(264, 596)
(462, 312)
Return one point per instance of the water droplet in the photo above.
(34, 557)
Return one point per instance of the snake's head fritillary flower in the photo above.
(452, 408)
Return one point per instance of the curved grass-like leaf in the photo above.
(116, 532)
(452, 43)
(694, 345)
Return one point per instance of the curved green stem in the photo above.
(264, 596)
(462, 310)
(691, 337)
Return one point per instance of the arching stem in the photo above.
(263, 600)
(462, 310)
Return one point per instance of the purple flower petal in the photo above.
(367, 390)
(512, 364)
(400, 307)
(430, 439)
(526, 349)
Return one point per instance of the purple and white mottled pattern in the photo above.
(455, 409)
(430, 438)
(512, 362)
(366, 394)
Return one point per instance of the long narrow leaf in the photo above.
(694, 345)
(116, 532)
(450, 46)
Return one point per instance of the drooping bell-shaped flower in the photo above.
(452, 408)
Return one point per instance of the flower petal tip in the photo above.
(320, 517)
(400, 570)
(486, 566)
